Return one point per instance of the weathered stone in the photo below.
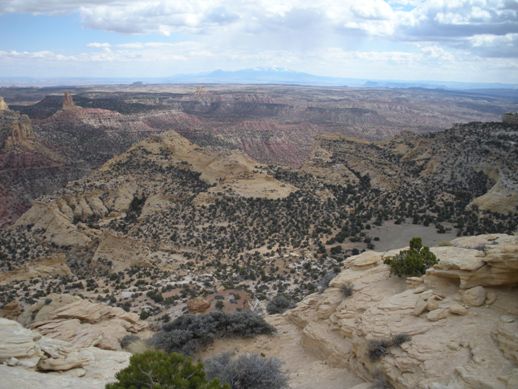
(490, 297)
(449, 347)
(84, 323)
(458, 309)
(3, 104)
(438, 314)
(16, 341)
(474, 296)
(366, 259)
(198, 305)
(68, 102)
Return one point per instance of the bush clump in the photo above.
(412, 262)
(347, 289)
(158, 370)
(279, 304)
(377, 348)
(249, 371)
(189, 333)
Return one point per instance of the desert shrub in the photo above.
(249, 371)
(279, 304)
(399, 339)
(379, 347)
(128, 339)
(347, 289)
(158, 370)
(412, 262)
(189, 333)
(324, 281)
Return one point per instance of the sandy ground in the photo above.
(393, 236)
(304, 370)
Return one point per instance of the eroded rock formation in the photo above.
(25, 354)
(80, 322)
(455, 327)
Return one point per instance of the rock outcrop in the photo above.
(454, 327)
(3, 104)
(25, 354)
(68, 102)
(80, 322)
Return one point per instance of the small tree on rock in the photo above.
(412, 262)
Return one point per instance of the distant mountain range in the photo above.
(257, 76)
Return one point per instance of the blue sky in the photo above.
(454, 40)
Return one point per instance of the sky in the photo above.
(447, 40)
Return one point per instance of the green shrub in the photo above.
(412, 262)
(158, 370)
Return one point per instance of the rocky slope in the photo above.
(28, 168)
(197, 219)
(272, 124)
(471, 159)
(41, 158)
(460, 318)
(454, 327)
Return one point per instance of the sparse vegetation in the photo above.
(279, 304)
(347, 289)
(377, 348)
(248, 371)
(190, 333)
(412, 262)
(158, 370)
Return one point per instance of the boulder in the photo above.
(475, 296)
(458, 309)
(82, 322)
(16, 341)
(198, 305)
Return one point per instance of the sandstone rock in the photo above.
(449, 348)
(456, 258)
(433, 303)
(490, 297)
(457, 309)
(479, 242)
(499, 263)
(3, 104)
(421, 305)
(437, 314)
(506, 336)
(100, 369)
(68, 102)
(16, 341)
(87, 324)
(198, 305)
(364, 260)
(474, 296)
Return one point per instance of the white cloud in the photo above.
(319, 36)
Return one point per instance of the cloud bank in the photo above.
(455, 35)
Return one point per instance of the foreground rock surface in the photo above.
(26, 354)
(461, 318)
